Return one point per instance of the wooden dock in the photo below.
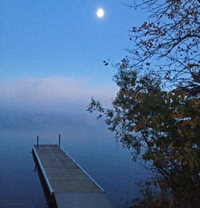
(68, 184)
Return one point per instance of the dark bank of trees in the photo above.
(157, 108)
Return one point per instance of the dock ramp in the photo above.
(68, 184)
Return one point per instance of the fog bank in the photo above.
(54, 104)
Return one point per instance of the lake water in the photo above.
(89, 144)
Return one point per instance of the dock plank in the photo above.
(71, 185)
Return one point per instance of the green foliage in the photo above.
(165, 124)
(152, 197)
(162, 125)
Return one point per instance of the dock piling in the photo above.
(59, 141)
(37, 142)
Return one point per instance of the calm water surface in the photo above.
(94, 149)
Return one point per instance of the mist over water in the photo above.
(24, 115)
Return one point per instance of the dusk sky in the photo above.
(51, 64)
(56, 48)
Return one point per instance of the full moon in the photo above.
(100, 13)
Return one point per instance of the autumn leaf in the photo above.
(184, 162)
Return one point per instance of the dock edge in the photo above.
(43, 173)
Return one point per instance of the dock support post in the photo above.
(59, 140)
(37, 142)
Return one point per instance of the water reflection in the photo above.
(92, 146)
(20, 187)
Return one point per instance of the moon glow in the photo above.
(100, 13)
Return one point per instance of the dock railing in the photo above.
(46, 180)
(59, 140)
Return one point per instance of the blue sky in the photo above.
(43, 40)
(51, 64)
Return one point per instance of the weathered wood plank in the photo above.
(70, 183)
